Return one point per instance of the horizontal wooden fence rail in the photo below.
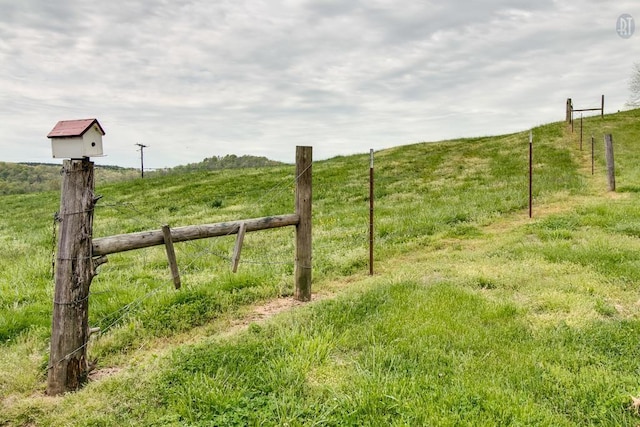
(145, 239)
(586, 109)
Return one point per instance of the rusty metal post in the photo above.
(580, 131)
(530, 174)
(371, 212)
(593, 149)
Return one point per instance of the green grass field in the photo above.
(477, 315)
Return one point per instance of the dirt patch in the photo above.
(263, 312)
(99, 374)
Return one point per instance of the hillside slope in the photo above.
(477, 315)
(22, 178)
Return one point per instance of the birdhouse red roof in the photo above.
(71, 128)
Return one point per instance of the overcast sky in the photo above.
(199, 78)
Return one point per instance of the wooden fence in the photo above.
(79, 255)
(570, 110)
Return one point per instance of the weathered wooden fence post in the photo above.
(73, 274)
(569, 107)
(611, 174)
(171, 256)
(303, 228)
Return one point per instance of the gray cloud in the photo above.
(193, 79)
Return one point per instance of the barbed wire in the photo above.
(280, 186)
(140, 215)
(126, 309)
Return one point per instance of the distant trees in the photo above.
(21, 178)
(634, 87)
(230, 161)
(17, 178)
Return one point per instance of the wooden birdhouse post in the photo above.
(76, 141)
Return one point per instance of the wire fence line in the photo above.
(270, 194)
(125, 310)
(127, 207)
(280, 187)
(120, 314)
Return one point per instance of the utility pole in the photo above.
(142, 147)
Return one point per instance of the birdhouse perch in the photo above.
(76, 139)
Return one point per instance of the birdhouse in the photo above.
(76, 139)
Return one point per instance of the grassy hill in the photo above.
(477, 315)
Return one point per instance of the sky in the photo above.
(192, 79)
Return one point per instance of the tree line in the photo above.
(22, 178)
(230, 161)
